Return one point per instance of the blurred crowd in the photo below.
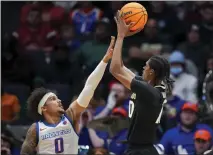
(58, 44)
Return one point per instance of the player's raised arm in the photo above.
(30, 142)
(118, 70)
(92, 82)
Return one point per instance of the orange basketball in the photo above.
(134, 12)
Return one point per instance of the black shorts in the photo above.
(143, 151)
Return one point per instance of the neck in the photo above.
(52, 119)
(186, 129)
(154, 83)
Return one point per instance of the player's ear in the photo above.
(151, 72)
(43, 108)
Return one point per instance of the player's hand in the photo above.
(122, 27)
(110, 49)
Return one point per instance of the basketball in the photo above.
(134, 12)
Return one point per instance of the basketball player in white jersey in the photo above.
(55, 130)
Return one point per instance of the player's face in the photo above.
(146, 72)
(53, 106)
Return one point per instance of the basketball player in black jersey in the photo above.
(149, 95)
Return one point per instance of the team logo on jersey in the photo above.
(133, 96)
(41, 129)
(56, 134)
(65, 122)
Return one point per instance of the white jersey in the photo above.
(57, 139)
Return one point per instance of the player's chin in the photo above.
(62, 111)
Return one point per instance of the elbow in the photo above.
(114, 69)
(111, 70)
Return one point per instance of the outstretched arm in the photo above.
(79, 105)
(118, 70)
(29, 145)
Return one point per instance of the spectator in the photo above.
(46, 8)
(61, 69)
(193, 14)
(203, 141)
(25, 10)
(6, 145)
(114, 146)
(33, 36)
(207, 23)
(118, 96)
(114, 6)
(67, 5)
(182, 135)
(10, 107)
(68, 37)
(144, 45)
(185, 85)
(195, 50)
(85, 17)
(165, 16)
(99, 151)
(173, 109)
(92, 51)
(84, 135)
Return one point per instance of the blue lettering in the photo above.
(55, 134)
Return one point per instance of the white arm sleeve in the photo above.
(91, 84)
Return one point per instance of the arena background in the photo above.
(50, 44)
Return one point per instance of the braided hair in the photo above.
(161, 67)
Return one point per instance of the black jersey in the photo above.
(145, 110)
(209, 152)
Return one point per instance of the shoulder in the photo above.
(13, 97)
(170, 134)
(172, 131)
(32, 132)
(138, 78)
(204, 126)
(32, 128)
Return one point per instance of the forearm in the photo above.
(116, 63)
(96, 76)
(96, 141)
(91, 84)
(103, 113)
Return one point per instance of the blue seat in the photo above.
(63, 92)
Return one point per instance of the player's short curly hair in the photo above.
(33, 101)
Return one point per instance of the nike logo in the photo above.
(42, 129)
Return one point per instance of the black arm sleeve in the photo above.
(143, 89)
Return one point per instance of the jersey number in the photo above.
(59, 145)
(131, 108)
